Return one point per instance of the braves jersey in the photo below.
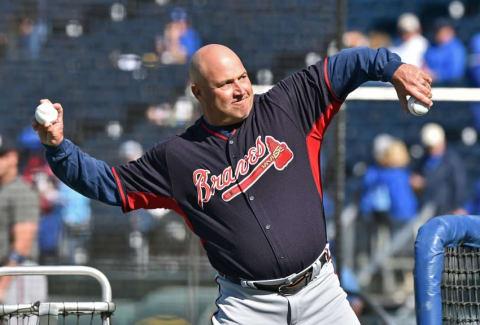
(253, 194)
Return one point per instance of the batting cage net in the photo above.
(447, 270)
(120, 71)
(57, 313)
(461, 285)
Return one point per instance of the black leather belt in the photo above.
(297, 284)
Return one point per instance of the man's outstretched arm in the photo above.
(349, 68)
(86, 175)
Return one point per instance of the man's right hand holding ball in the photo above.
(50, 134)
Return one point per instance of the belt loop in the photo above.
(247, 284)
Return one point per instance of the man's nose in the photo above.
(237, 88)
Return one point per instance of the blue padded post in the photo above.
(432, 237)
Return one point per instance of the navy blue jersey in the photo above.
(253, 197)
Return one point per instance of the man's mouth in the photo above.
(240, 101)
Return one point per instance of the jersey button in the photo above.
(231, 141)
(251, 198)
(268, 227)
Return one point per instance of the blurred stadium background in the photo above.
(101, 60)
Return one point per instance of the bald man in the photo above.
(246, 179)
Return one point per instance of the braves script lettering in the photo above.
(279, 155)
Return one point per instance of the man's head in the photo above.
(444, 31)
(408, 25)
(221, 85)
(8, 160)
(130, 150)
(433, 138)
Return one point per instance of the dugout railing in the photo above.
(44, 313)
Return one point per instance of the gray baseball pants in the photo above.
(321, 302)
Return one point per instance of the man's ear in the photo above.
(195, 91)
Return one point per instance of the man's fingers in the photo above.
(422, 97)
(428, 79)
(59, 109)
(403, 102)
(35, 124)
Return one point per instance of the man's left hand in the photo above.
(413, 81)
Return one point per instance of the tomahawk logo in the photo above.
(272, 153)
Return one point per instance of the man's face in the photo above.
(225, 92)
(8, 160)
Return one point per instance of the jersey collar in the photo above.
(223, 132)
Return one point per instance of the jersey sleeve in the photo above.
(91, 177)
(312, 96)
(350, 68)
(145, 183)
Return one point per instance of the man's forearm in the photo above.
(24, 233)
(86, 175)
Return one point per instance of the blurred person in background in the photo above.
(75, 213)
(387, 195)
(441, 177)
(27, 37)
(412, 44)
(474, 76)
(36, 172)
(472, 206)
(446, 57)
(141, 221)
(378, 38)
(19, 214)
(179, 40)
(355, 38)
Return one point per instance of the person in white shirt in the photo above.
(413, 44)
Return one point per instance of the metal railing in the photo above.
(44, 310)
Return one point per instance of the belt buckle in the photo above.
(281, 288)
(294, 286)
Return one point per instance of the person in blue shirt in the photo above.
(440, 178)
(474, 76)
(387, 186)
(446, 57)
(179, 40)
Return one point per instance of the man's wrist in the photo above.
(54, 149)
(16, 257)
(390, 69)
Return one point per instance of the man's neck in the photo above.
(8, 177)
(226, 130)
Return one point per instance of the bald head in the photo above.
(221, 85)
(209, 58)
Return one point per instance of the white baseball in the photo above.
(46, 113)
(416, 107)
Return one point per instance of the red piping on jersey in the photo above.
(139, 200)
(314, 142)
(327, 80)
(315, 136)
(120, 189)
(221, 136)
